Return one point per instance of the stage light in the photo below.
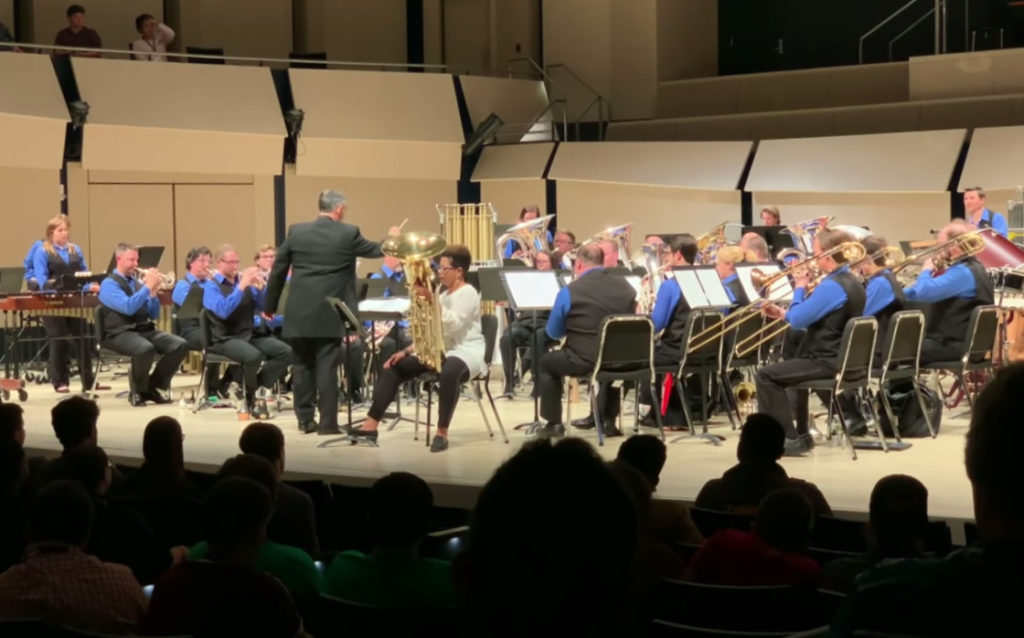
(79, 113)
(293, 119)
(484, 131)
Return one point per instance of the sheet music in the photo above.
(636, 282)
(689, 286)
(385, 304)
(713, 288)
(531, 289)
(781, 290)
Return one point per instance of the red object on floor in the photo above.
(666, 393)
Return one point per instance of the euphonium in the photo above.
(745, 391)
(620, 236)
(650, 261)
(414, 250)
(709, 243)
(531, 236)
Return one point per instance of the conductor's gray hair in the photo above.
(330, 200)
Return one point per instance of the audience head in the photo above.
(762, 439)
(332, 203)
(87, 465)
(76, 16)
(74, 422)
(646, 453)
(544, 494)
(236, 511)
(638, 488)
(589, 255)
(62, 512)
(145, 24)
(162, 446)
(784, 520)
(250, 466)
(13, 469)
(12, 423)
(994, 441)
(266, 440)
(899, 514)
(684, 249)
(399, 511)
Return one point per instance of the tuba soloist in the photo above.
(415, 250)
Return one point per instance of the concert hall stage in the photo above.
(457, 474)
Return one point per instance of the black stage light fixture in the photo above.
(293, 119)
(79, 113)
(484, 132)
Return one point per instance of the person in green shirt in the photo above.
(292, 566)
(393, 575)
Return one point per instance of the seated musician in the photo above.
(756, 245)
(525, 215)
(525, 331)
(952, 294)
(190, 289)
(131, 308)
(463, 356)
(770, 216)
(31, 282)
(263, 260)
(391, 336)
(577, 314)
(564, 245)
(57, 259)
(823, 313)
(884, 294)
(232, 299)
(610, 250)
(725, 265)
(979, 216)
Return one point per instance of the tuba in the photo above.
(709, 243)
(531, 236)
(619, 235)
(415, 250)
(650, 261)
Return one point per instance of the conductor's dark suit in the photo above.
(322, 255)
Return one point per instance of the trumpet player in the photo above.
(232, 301)
(187, 292)
(263, 261)
(131, 308)
(823, 314)
(952, 294)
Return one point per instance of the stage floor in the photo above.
(457, 474)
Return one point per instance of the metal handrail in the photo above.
(909, 29)
(872, 30)
(52, 48)
(604, 113)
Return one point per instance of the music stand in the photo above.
(149, 257)
(531, 290)
(777, 237)
(781, 290)
(349, 325)
(12, 279)
(384, 309)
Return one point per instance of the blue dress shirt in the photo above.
(997, 221)
(728, 280)
(828, 297)
(29, 263)
(222, 306)
(956, 281)
(113, 297)
(182, 288)
(390, 274)
(878, 295)
(669, 296)
(560, 311)
(41, 261)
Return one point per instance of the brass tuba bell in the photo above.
(415, 250)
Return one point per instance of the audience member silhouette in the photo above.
(12, 423)
(553, 524)
(162, 473)
(393, 575)
(61, 584)
(14, 502)
(770, 554)
(744, 485)
(119, 533)
(226, 594)
(975, 591)
(896, 530)
(292, 566)
(294, 519)
(74, 422)
(670, 520)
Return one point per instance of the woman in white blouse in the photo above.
(155, 38)
(463, 351)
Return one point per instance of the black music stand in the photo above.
(12, 279)
(370, 310)
(531, 290)
(149, 257)
(349, 325)
(777, 237)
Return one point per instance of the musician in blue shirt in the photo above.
(390, 337)
(128, 323)
(979, 216)
(57, 258)
(525, 215)
(187, 297)
(29, 264)
(823, 314)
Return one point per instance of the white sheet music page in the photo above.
(713, 288)
(689, 286)
(781, 290)
(636, 282)
(531, 289)
(385, 304)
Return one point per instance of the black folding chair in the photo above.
(853, 364)
(706, 363)
(210, 357)
(901, 354)
(489, 327)
(625, 352)
(979, 348)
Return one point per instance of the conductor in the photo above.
(322, 257)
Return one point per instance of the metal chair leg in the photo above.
(838, 411)
(924, 408)
(657, 411)
(478, 397)
(595, 391)
(494, 408)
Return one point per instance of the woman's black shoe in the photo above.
(364, 436)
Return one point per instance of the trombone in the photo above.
(969, 244)
(853, 253)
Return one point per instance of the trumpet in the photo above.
(969, 245)
(167, 280)
(852, 252)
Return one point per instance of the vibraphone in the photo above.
(17, 308)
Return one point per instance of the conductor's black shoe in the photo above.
(611, 431)
(798, 446)
(156, 396)
(307, 427)
(363, 436)
(136, 400)
(551, 430)
(327, 431)
(585, 423)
